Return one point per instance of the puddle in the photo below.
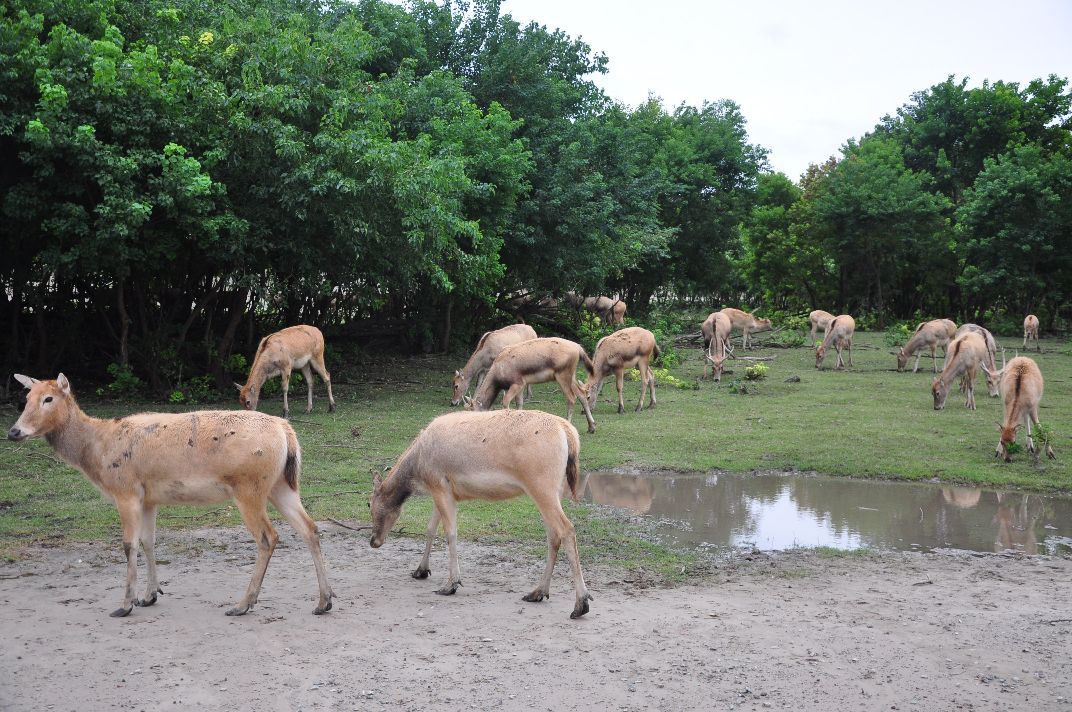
(774, 511)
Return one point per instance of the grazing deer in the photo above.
(929, 334)
(1031, 329)
(624, 349)
(143, 461)
(819, 319)
(489, 346)
(490, 456)
(747, 323)
(839, 334)
(716, 330)
(966, 353)
(296, 347)
(1021, 390)
(991, 355)
(610, 311)
(536, 361)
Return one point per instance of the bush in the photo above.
(756, 372)
(898, 334)
(124, 383)
(665, 378)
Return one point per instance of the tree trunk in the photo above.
(124, 325)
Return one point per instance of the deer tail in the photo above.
(572, 469)
(292, 468)
(588, 365)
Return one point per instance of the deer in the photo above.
(610, 311)
(929, 334)
(535, 361)
(1021, 391)
(839, 335)
(991, 354)
(966, 353)
(143, 461)
(716, 330)
(493, 456)
(489, 346)
(747, 323)
(632, 346)
(1031, 331)
(819, 319)
(296, 347)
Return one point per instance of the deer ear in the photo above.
(457, 373)
(26, 381)
(64, 384)
(238, 386)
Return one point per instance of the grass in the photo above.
(868, 421)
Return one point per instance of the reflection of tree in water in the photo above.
(882, 514)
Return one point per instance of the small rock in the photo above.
(792, 379)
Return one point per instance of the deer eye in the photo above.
(48, 399)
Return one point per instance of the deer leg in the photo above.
(511, 393)
(448, 512)
(619, 382)
(543, 590)
(422, 571)
(1024, 347)
(813, 330)
(1030, 440)
(148, 543)
(255, 517)
(569, 387)
(322, 370)
(1049, 448)
(643, 385)
(934, 359)
(556, 521)
(130, 516)
(284, 377)
(307, 372)
(289, 504)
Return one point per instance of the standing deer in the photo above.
(716, 330)
(1031, 329)
(929, 334)
(633, 346)
(747, 323)
(490, 456)
(143, 461)
(296, 347)
(991, 354)
(966, 354)
(489, 346)
(819, 319)
(536, 361)
(839, 335)
(1021, 390)
(610, 311)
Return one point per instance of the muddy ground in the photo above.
(785, 631)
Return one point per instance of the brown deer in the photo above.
(489, 456)
(747, 323)
(1021, 390)
(966, 353)
(610, 311)
(296, 347)
(991, 355)
(536, 361)
(489, 346)
(633, 346)
(143, 461)
(839, 335)
(929, 334)
(819, 319)
(716, 331)
(1031, 331)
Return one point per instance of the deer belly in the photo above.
(192, 490)
(485, 485)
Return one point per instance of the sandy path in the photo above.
(789, 631)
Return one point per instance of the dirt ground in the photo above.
(785, 631)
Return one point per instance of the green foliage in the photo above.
(897, 334)
(124, 383)
(756, 372)
(663, 377)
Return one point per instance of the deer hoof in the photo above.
(322, 609)
(620, 410)
(591, 428)
(240, 610)
(145, 602)
(581, 608)
(121, 612)
(331, 407)
(421, 573)
(535, 597)
(449, 589)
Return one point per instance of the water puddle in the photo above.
(776, 511)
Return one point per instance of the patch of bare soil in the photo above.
(787, 631)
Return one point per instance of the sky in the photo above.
(809, 75)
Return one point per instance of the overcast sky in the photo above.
(809, 75)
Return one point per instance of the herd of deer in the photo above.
(147, 460)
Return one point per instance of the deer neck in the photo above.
(75, 440)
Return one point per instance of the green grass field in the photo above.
(869, 421)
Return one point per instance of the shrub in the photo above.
(756, 372)
(665, 378)
(898, 334)
(124, 383)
